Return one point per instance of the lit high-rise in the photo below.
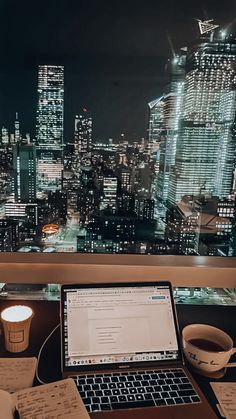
(206, 141)
(82, 142)
(24, 166)
(49, 127)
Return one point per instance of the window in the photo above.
(114, 144)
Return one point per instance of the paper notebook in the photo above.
(56, 400)
(17, 373)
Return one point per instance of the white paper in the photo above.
(58, 400)
(6, 405)
(226, 395)
(17, 373)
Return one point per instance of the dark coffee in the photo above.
(206, 345)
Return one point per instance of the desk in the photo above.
(47, 317)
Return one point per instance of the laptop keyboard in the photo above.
(133, 389)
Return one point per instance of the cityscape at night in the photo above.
(170, 191)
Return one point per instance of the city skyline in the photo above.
(170, 191)
(114, 57)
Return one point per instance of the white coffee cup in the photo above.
(207, 348)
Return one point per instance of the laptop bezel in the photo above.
(116, 366)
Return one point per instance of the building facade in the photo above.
(49, 127)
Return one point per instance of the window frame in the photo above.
(59, 268)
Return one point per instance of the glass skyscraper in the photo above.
(206, 142)
(82, 142)
(49, 127)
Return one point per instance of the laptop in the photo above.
(121, 345)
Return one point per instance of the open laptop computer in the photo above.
(121, 344)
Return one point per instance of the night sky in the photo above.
(114, 54)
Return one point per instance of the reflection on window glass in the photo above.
(182, 295)
(117, 129)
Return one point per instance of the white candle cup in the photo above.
(16, 322)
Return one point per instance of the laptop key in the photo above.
(104, 399)
(173, 393)
(185, 386)
(113, 399)
(116, 391)
(89, 381)
(122, 398)
(141, 390)
(90, 393)
(98, 393)
(160, 402)
(105, 406)
(87, 400)
(164, 394)
(156, 396)
(187, 400)
(95, 400)
(148, 396)
(124, 391)
(170, 401)
(186, 393)
(95, 407)
(195, 399)
(157, 388)
(139, 397)
(107, 392)
(169, 381)
(144, 383)
(133, 404)
(178, 400)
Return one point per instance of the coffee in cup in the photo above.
(207, 348)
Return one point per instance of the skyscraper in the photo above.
(24, 167)
(49, 127)
(172, 103)
(82, 142)
(206, 141)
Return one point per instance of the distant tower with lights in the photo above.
(24, 167)
(206, 141)
(171, 105)
(82, 142)
(49, 127)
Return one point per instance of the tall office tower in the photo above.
(17, 129)
(155, 125)
(82, 142)
(109, 192)
(206, 140)
(49, 127)
(9, 235)
(24, 169)
(172, 102)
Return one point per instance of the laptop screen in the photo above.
(118, 324)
